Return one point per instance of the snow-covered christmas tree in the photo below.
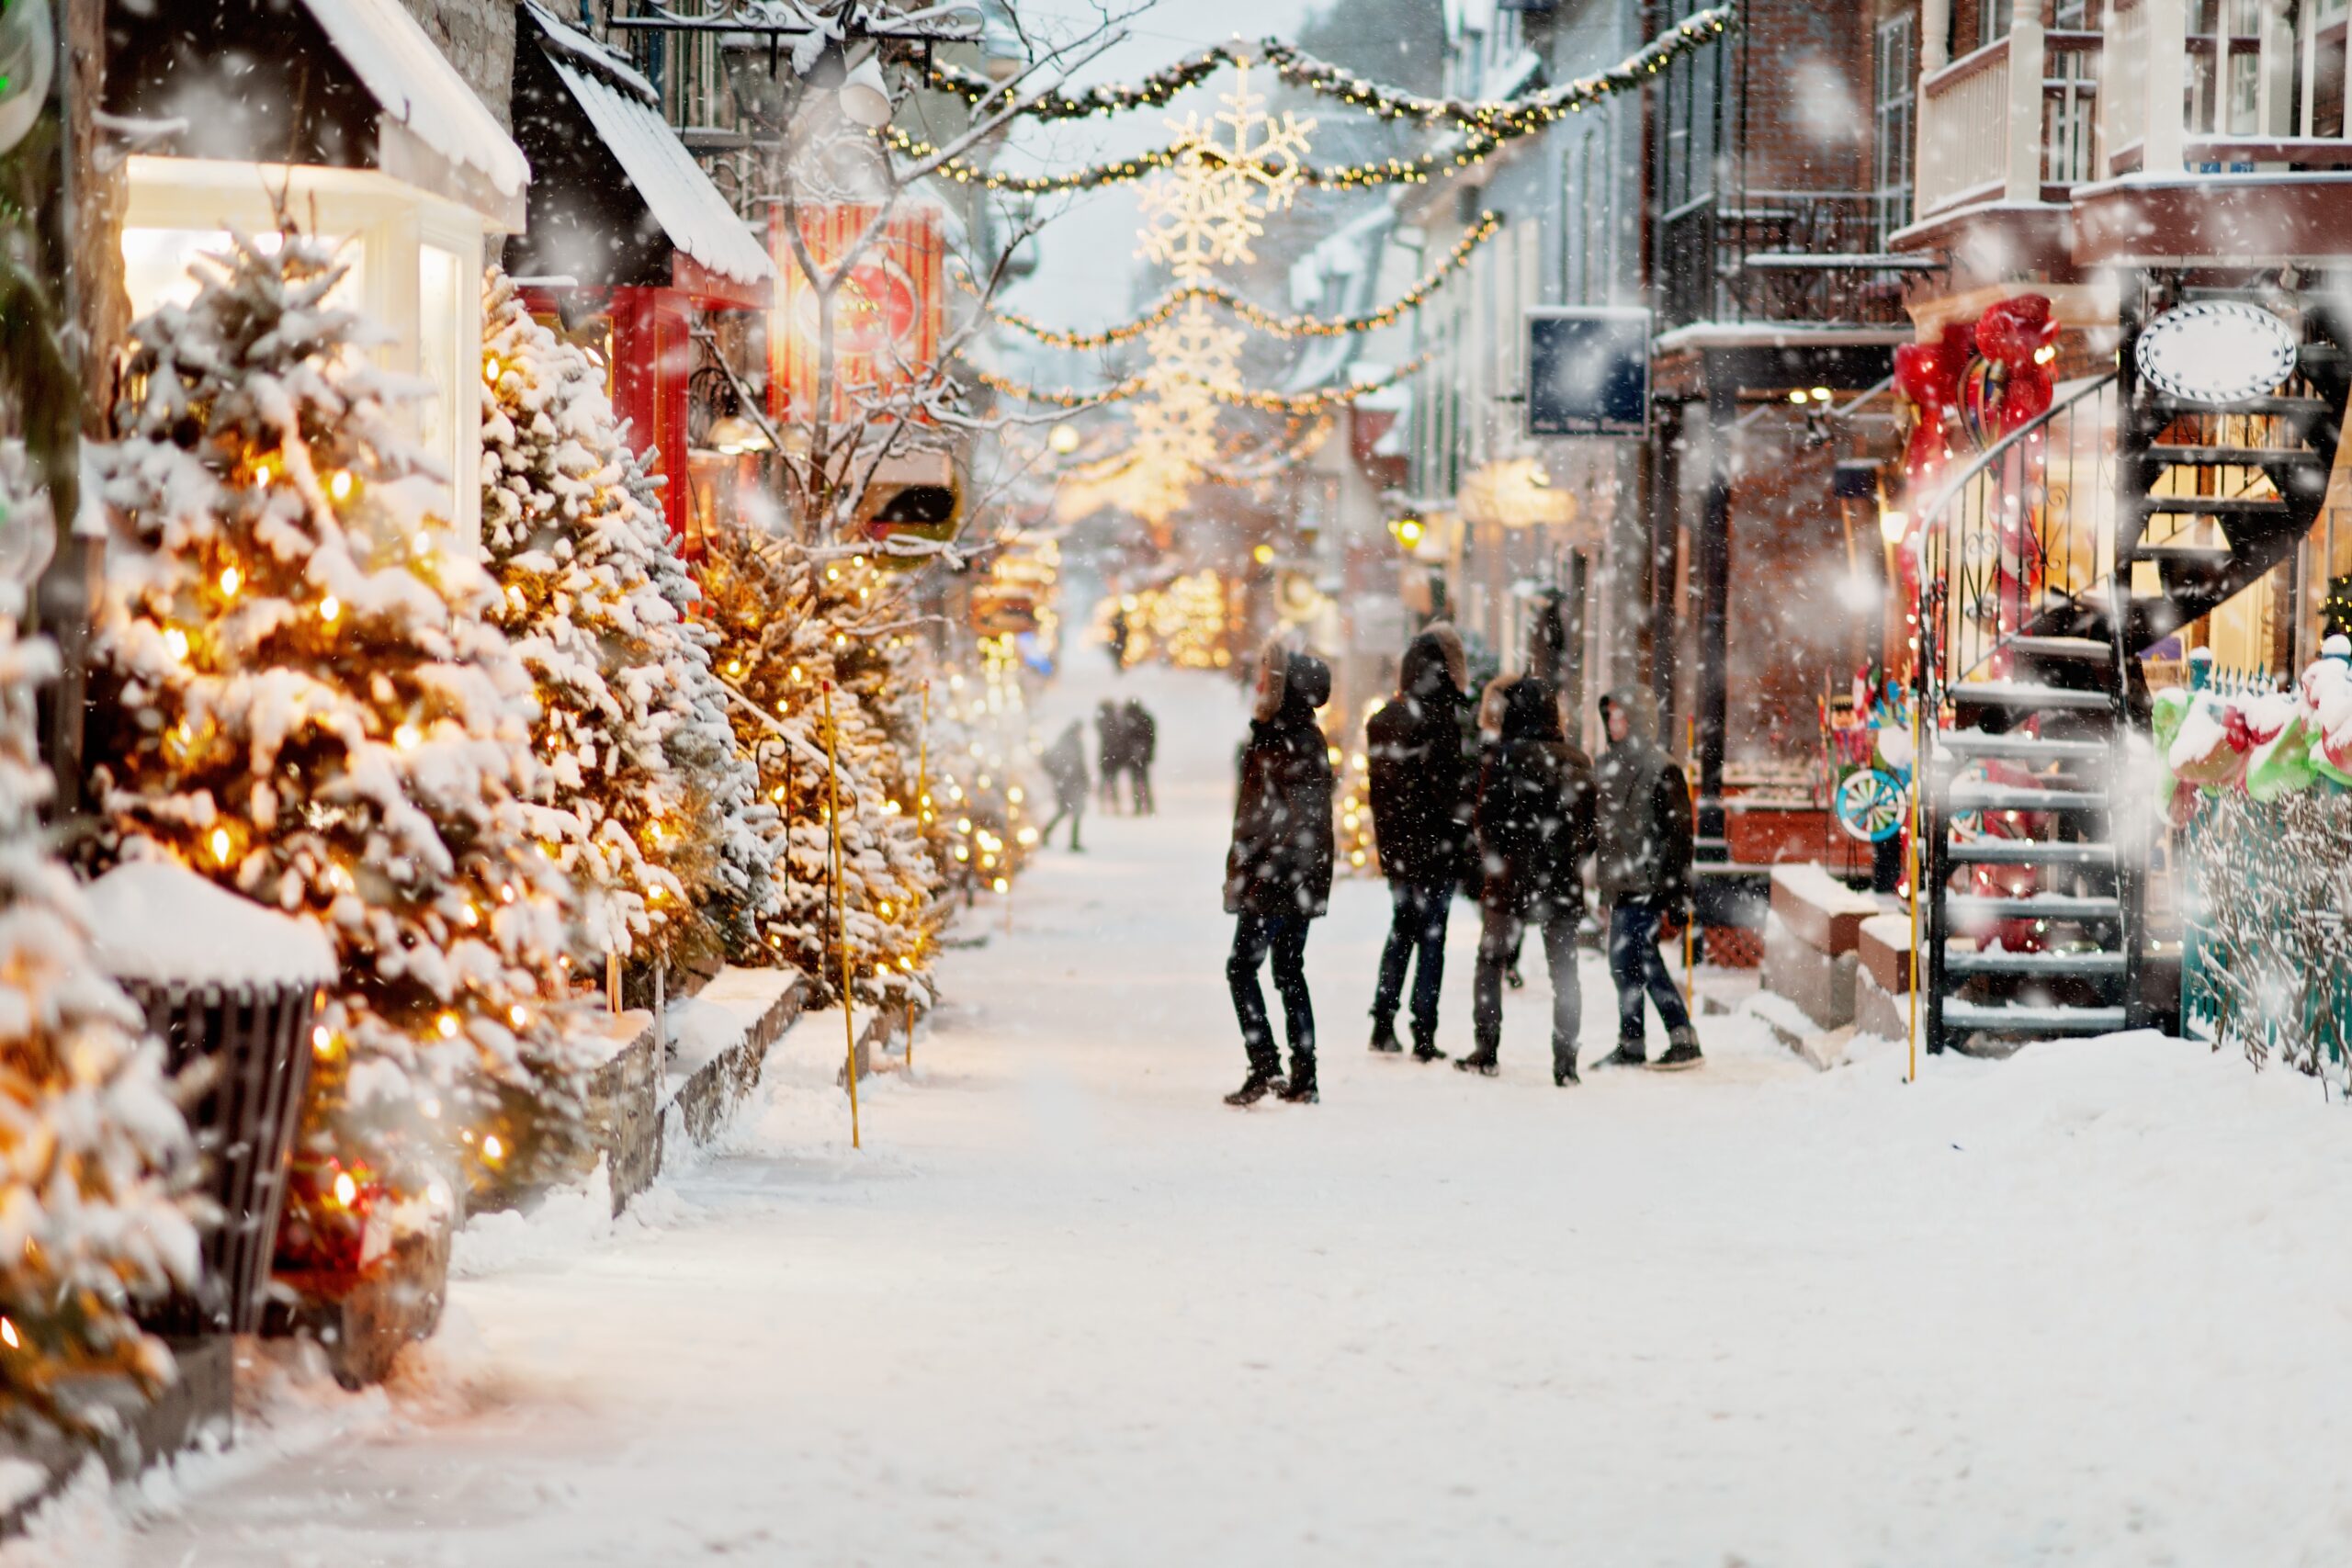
(304, 697)
(94, 1153)
(658, 816)
(790, 620)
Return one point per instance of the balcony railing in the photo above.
(2042, 82)
(2196, 85)
(1817, 257)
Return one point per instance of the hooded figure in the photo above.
(1643, 868)
(1419, 791)
(1278, 871)
(1064, 763)
(1143, 744)
(1535, 826)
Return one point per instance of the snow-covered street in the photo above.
(1065, 1307)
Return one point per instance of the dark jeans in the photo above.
(1498, 938)
(1285, 937)
(1637, 966)
(1073, 809)
(1139, 782)
(1417, 926)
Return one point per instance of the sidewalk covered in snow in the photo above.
(1065, 1307)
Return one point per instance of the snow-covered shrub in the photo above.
(790, 621)
(303, 696)
(656, 816)
(2269, 965)
(94, 1153)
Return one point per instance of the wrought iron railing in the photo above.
(1777, 256)
(2021, 538)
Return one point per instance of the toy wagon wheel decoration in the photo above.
(1871, 805)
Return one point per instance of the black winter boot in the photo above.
(1564, 1067)
(1300, 1087)
(1255, 1088)
(1681, 1051)
(1482, 1061)
(1383, 1035)
(1629, 1053)
(1425, 1045)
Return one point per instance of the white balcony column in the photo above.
(1935, 53)
(1935, 35)
(2164, 42)
(2027, 68)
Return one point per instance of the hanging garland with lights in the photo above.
(1258, 316)
(1300, 403)
(1482, 125)
(1511, 116)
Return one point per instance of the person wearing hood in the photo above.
(1064, 763)
(1143, 747)
(1535, 826)
(1643, 868)
(1278, 871)
(1418, 788)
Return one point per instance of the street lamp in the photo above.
(865, 96)
(1062, 439)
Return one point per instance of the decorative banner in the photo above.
(886, 312)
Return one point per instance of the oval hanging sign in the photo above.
(2216, 351)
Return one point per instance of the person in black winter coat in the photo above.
(1420, 789)
(1535, 826)
(1111, 752)
(1143, 744)
(1644, 868)
(1278, 873)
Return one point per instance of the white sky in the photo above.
(1087, 256)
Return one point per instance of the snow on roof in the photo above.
(161, 923)
(625, 110)
(609, 62)
(413, 82)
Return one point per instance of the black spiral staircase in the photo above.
(2139, 514)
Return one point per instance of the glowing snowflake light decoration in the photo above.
(1228, 173)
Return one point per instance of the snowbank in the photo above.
(161, 924)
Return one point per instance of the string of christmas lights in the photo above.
(1256, 315)
(1511, 117)
(1300, 404)
(1485, 125)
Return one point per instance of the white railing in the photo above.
(2237, 85)
(2016, 121)
(1965, 131)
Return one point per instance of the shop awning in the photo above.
(427, 107)
(673, 194)
(333, 84)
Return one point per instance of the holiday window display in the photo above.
(302, 695)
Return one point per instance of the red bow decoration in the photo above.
(2009, 385)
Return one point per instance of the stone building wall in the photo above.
(478, 37)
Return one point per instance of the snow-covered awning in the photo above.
(428, 109)
(625, 115)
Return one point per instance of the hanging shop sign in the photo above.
(2216, 352)
(1587, 371)
(886, 312)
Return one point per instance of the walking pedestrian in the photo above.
(1419, 782)
(1143, 744)
(1110, 751)
(1644, 868)
(1491, 738)
(1278, 871)
(1118, 640)
(1064, 763)
(1535, 826)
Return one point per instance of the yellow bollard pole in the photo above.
(1691, 919)
(840, 915)
(1918, 772)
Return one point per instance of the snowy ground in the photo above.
(1066, 1308)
